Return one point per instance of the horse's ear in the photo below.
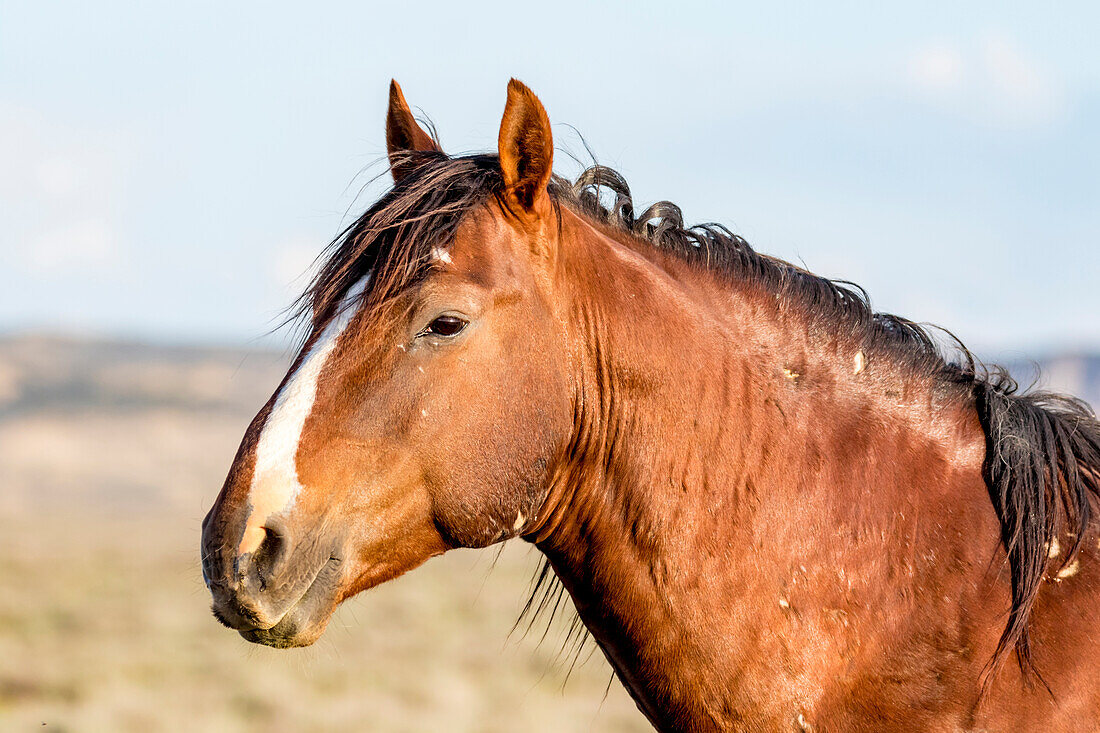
(404, 137)
(526, 148)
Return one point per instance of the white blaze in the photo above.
(275, 483)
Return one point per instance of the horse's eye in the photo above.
(446, 326)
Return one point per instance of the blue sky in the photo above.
(168, 170)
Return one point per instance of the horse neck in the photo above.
(705, 419)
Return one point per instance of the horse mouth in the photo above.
(279, 638)
(305, 620)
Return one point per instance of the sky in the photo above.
(168, 171)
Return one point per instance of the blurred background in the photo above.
(169, 171)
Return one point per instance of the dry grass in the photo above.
(109, 455)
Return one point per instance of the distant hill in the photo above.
(1073, 373)
(121, 426)
(41, 372)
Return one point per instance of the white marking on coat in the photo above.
(860, 362)
(1055, 549)
(520, 519)
(275, 483)
(438, 253)
(1069, 570)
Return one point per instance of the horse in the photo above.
(772, 507)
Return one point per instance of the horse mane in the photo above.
(1042, 465)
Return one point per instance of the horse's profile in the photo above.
(773, 508)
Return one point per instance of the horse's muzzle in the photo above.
(281, 594)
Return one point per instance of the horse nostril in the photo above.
(269, 556)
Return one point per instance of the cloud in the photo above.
(937, 67)
(990, 79)
(1014, 77)
(57, 176)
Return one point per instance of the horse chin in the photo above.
(287, 634)
(307, 619)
